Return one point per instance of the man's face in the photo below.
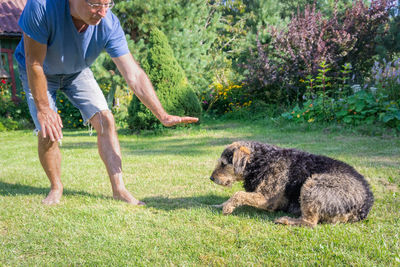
(92, 11)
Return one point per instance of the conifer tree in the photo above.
(169, 81)
(190, 26)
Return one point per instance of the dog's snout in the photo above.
(212, 178)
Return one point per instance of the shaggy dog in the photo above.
(314, 187)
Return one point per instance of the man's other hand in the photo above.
(51, 124)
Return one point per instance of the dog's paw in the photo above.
(227, 209)
(282, 220)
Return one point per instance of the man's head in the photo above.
(90, 11)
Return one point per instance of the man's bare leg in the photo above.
(110, 153)
(50, 158)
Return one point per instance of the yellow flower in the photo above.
(61, 100)
(80, 120)
(311, 120)
(59, 111)
(298, 115)
(69, 121)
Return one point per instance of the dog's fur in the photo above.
(314, 187)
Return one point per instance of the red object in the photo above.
(10, 67)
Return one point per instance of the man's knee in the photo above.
(45, 142)
(103, 121)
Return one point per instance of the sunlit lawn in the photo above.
(178, 226)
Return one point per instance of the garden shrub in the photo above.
(225, 98)
(170, 83)
(71, 116)
(362, 107)
(389, 37)
(13, 114)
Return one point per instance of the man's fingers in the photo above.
(59, 126)
(52, 131)
(51, 135)
(43, 126)
(51, 125)
(173, 120)
(59, 121)
(189, 119)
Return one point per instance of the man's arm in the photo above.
(140, 84)
(49, 120)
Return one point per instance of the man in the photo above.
(61, 40)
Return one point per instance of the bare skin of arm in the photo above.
(140, 84)
(49, 120)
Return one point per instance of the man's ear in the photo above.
(241, 156)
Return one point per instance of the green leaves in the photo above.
(360, 108)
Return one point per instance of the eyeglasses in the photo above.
(99, 6)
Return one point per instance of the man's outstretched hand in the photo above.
(171, 120)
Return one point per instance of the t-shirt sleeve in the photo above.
(33, 21)
(117, 45)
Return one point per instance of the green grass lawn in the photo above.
(170, 172)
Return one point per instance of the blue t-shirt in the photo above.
(49, 22)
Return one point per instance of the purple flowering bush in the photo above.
(276, 68)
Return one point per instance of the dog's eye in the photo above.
(223, 163)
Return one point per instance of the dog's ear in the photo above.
(241, 156)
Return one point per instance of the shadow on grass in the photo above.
(207, 202)
(157, 202)
(7, 189)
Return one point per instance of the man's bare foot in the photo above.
(124, 195)
(53, 197)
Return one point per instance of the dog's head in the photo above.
(231, 165)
